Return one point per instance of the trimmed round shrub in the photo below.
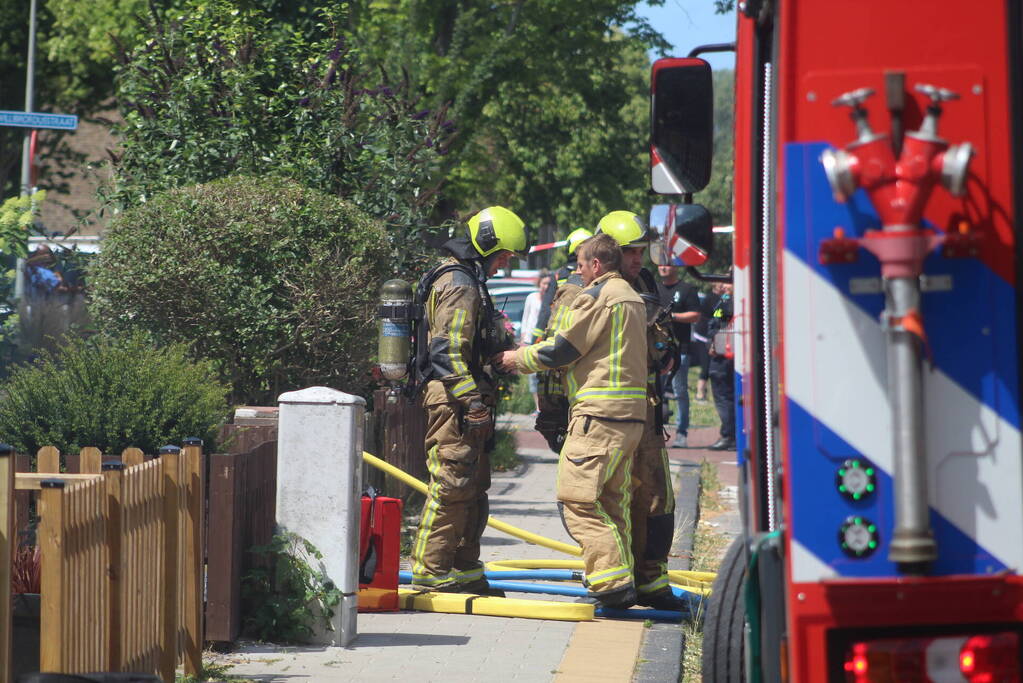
(111, 394)
(274, 282)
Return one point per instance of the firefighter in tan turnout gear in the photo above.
(461, 333)
(602, 345)
(653, 502)
(552, 397)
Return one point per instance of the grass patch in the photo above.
(211, 671)
(504, 458)
(708, 548)
(700, 414)
(518, 401)
(710, 487)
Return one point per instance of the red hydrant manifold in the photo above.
(899, 190)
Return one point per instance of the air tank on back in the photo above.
(395, 332)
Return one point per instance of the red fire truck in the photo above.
(878, 190)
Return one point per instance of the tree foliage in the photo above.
(557, 159)
(717, 196)
(56, 89)
(220, 90)
(273, 281)
(549, 99)
(17, 215)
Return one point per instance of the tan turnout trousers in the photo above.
(447, 547)
(653, 510)
(653, 501)
(594, 489)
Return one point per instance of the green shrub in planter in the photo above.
(274, 282)
(111, 394)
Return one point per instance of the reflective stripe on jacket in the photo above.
(453, 312)
(601, 339)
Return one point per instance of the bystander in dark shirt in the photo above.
(684, 298)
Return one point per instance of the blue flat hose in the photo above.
(692, 600)
(557, 575)
(546, 589)
(535, 575)
(580, 592)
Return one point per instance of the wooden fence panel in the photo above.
(242, 512)
(224, 549)
(22, 503)
(122, 560)
(8, 546)
(194, 556)
(142, 552)
(170, 461)
(90, 461)
(113, 475)
(132, 456)
(48, 460)
(74, 622)
(401, 427)
(235, 438)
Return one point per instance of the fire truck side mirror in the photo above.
(681, 125)
(693, 223)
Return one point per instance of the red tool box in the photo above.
(379, 543)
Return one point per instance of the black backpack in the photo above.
(420, 369)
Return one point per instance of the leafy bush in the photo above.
(110, 394)
(271, 280)
(282, 600)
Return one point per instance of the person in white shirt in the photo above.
(528, 334)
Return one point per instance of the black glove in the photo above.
(478, 423)
(552, 426)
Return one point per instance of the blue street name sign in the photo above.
(25, 119)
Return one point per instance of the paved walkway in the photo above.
(423, 647)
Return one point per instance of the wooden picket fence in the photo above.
(122, 561)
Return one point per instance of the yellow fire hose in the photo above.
(695, 582)
(460, 603)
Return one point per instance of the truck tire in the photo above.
(724, 621)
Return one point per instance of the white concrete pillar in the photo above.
(319, 489)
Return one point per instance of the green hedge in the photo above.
(274, 282)
(111, 394)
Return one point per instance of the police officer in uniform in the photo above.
(602, 345)
(653, 504)
(461, 334)
(722, 369)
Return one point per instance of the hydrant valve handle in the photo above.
(853, 98)
(936, 94)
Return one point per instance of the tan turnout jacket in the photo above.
(601, 340)
(454, 310)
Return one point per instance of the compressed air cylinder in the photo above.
(393, 346)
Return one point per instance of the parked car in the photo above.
(510, 277)
(510, 298)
